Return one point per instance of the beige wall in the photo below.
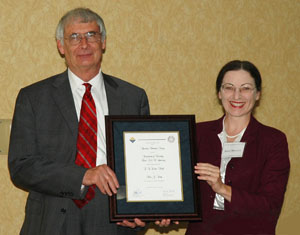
(174, 49)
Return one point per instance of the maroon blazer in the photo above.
(258, 181)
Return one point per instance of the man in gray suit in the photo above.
(44, 135)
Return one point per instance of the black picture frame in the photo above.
(187, 209)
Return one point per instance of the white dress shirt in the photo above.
(100, 99)
(219, 200)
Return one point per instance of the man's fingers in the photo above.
(163, 222)
(113, 177)
(103, 177)
(139, 223)
(126, 223)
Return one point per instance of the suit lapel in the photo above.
(251, 131)
(249, 151)
(63, 98)
(113, 96)
(250, 137)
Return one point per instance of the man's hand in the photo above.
(103, 177)
(137, 223)
(165, 222)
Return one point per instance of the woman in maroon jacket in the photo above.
(243, 165)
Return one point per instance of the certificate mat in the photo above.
(153, 158)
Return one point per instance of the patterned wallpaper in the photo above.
(174, 49)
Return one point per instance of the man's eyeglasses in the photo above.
(231, 89)
(90, 37)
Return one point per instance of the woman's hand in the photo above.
(211, 174)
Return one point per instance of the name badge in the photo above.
(232, 150)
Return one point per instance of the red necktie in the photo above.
(87, 139)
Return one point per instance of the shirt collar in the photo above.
(222, 134)
(76, 82)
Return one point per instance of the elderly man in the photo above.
(57, 148)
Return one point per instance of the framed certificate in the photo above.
(153, 158)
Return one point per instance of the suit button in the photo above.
(229, 182)
(231, 166)
(63, 210)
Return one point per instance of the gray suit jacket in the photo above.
(43, 146)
